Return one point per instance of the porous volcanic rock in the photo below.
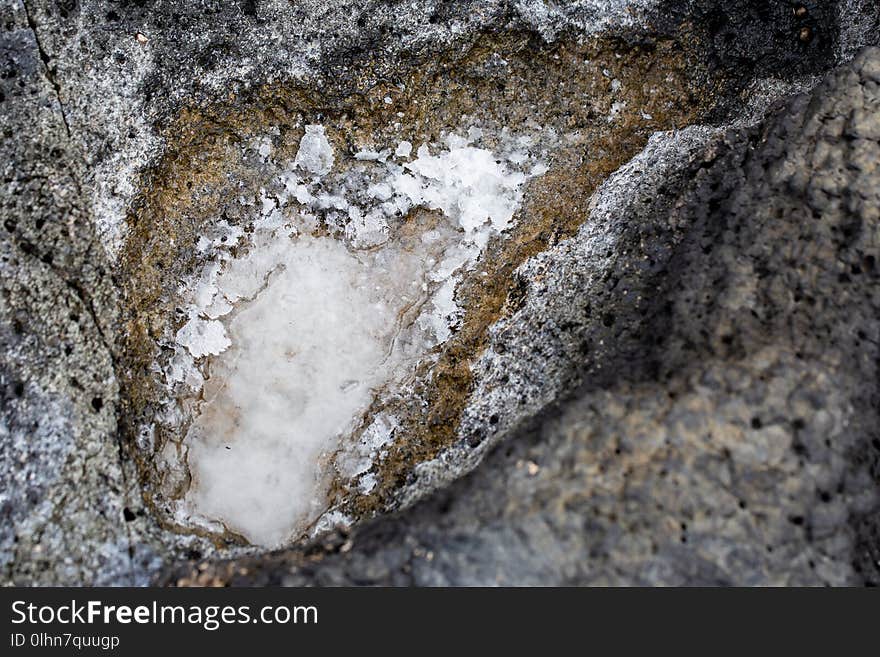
(668, 376)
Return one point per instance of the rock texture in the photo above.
(724, 427)
(682, 392)
(63, 485)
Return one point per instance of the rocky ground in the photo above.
(667, 374)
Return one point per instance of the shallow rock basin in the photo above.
(328, 301)
(331, 283)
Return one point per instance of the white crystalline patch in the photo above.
(467, 184)
(359, 458)
(366, 230)
(295, 187)
(367, 483)
(381, 191)
(331, 520)
(445, 310)
(304, 330)
(306, 354)
(539, 170)
(203, 337)
(315, 153)
(371, 156)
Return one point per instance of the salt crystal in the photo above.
(202, 337)
(315, 153)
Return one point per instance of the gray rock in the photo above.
(63, 485)
(714, 320)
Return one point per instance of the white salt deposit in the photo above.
(203, 337)
(308, 350)
(289, 341)
(315, 152)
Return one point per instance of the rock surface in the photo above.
(63, 484)
(682, 392)
(724, 425)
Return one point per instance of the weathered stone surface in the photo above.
(63, 487)
(705, 344)
(724, 428)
